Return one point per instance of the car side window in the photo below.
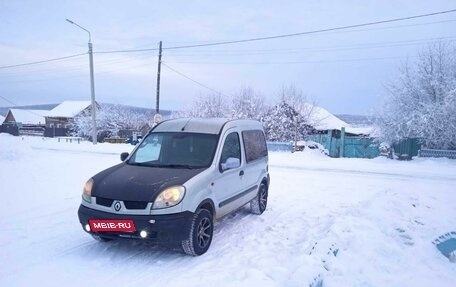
(254, 145)
(231, 152)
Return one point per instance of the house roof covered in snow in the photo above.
(2, 119)
(322, 119)
(69, 109)
(27, 117)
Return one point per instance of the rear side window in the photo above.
(254, 144)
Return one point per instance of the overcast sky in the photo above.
(343, 71)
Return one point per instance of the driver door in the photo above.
(229, 182)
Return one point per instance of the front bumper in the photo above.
(166, 229)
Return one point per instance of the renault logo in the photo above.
(117, 206)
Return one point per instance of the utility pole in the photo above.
(92, 89)
(157, 103)
(92, 84)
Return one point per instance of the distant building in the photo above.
(25, 117)
(323, 121)
(338, 137)
(62, 115)
(19, 121)
(55, 122)
(59, 119)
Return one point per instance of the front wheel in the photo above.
(200, 234)
(259, 203)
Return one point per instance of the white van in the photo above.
(184, 174)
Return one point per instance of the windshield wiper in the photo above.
(139, 163)
(180, 166)
(187, 166)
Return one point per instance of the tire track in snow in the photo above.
(71, 151)
(324, 245)
(368, 173)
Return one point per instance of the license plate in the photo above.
(112, 225)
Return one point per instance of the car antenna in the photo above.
(183, 128)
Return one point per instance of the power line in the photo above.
(242, 40)
(98, 72)
(57, 70)
(14, 104)
(360, 30)
(372, 29)
(316, 31)
(296, 62)
(289, 35)
(5, 99)
(42, 61)
(40, 80)
(128, 51)
(105, 64)
(53, 71)
(360, 46)
(194, 81)
(357, 46)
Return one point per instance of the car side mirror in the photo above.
(123, 156)
(230, 163)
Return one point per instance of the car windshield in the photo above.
(175, 150)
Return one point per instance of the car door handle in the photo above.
(241, 173)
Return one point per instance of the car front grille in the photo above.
(104, 201)
(135, 204)
(128, 204)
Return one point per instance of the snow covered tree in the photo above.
(82, 125)
(421, 102)
(299, 101)
(110, 119)
(290, 119)
(107, 124)
(247, 105)
(208, 106)
(283, 123)
(280, 122)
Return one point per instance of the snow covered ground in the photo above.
(339, 222)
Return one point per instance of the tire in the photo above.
(259, 203)
(200, 233)
(101, 238)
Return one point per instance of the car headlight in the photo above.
(171, 196)
(87, 191)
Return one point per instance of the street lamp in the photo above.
(92, 84)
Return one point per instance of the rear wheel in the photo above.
(259, 203)
(200, 233)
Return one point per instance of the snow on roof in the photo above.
(69, 109)
(322, 119)
(2, 119)
(366, 130)
(210, 126)
(204, 125)
(29, 117)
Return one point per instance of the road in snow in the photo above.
(378, 216)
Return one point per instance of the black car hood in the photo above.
(138, 183)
